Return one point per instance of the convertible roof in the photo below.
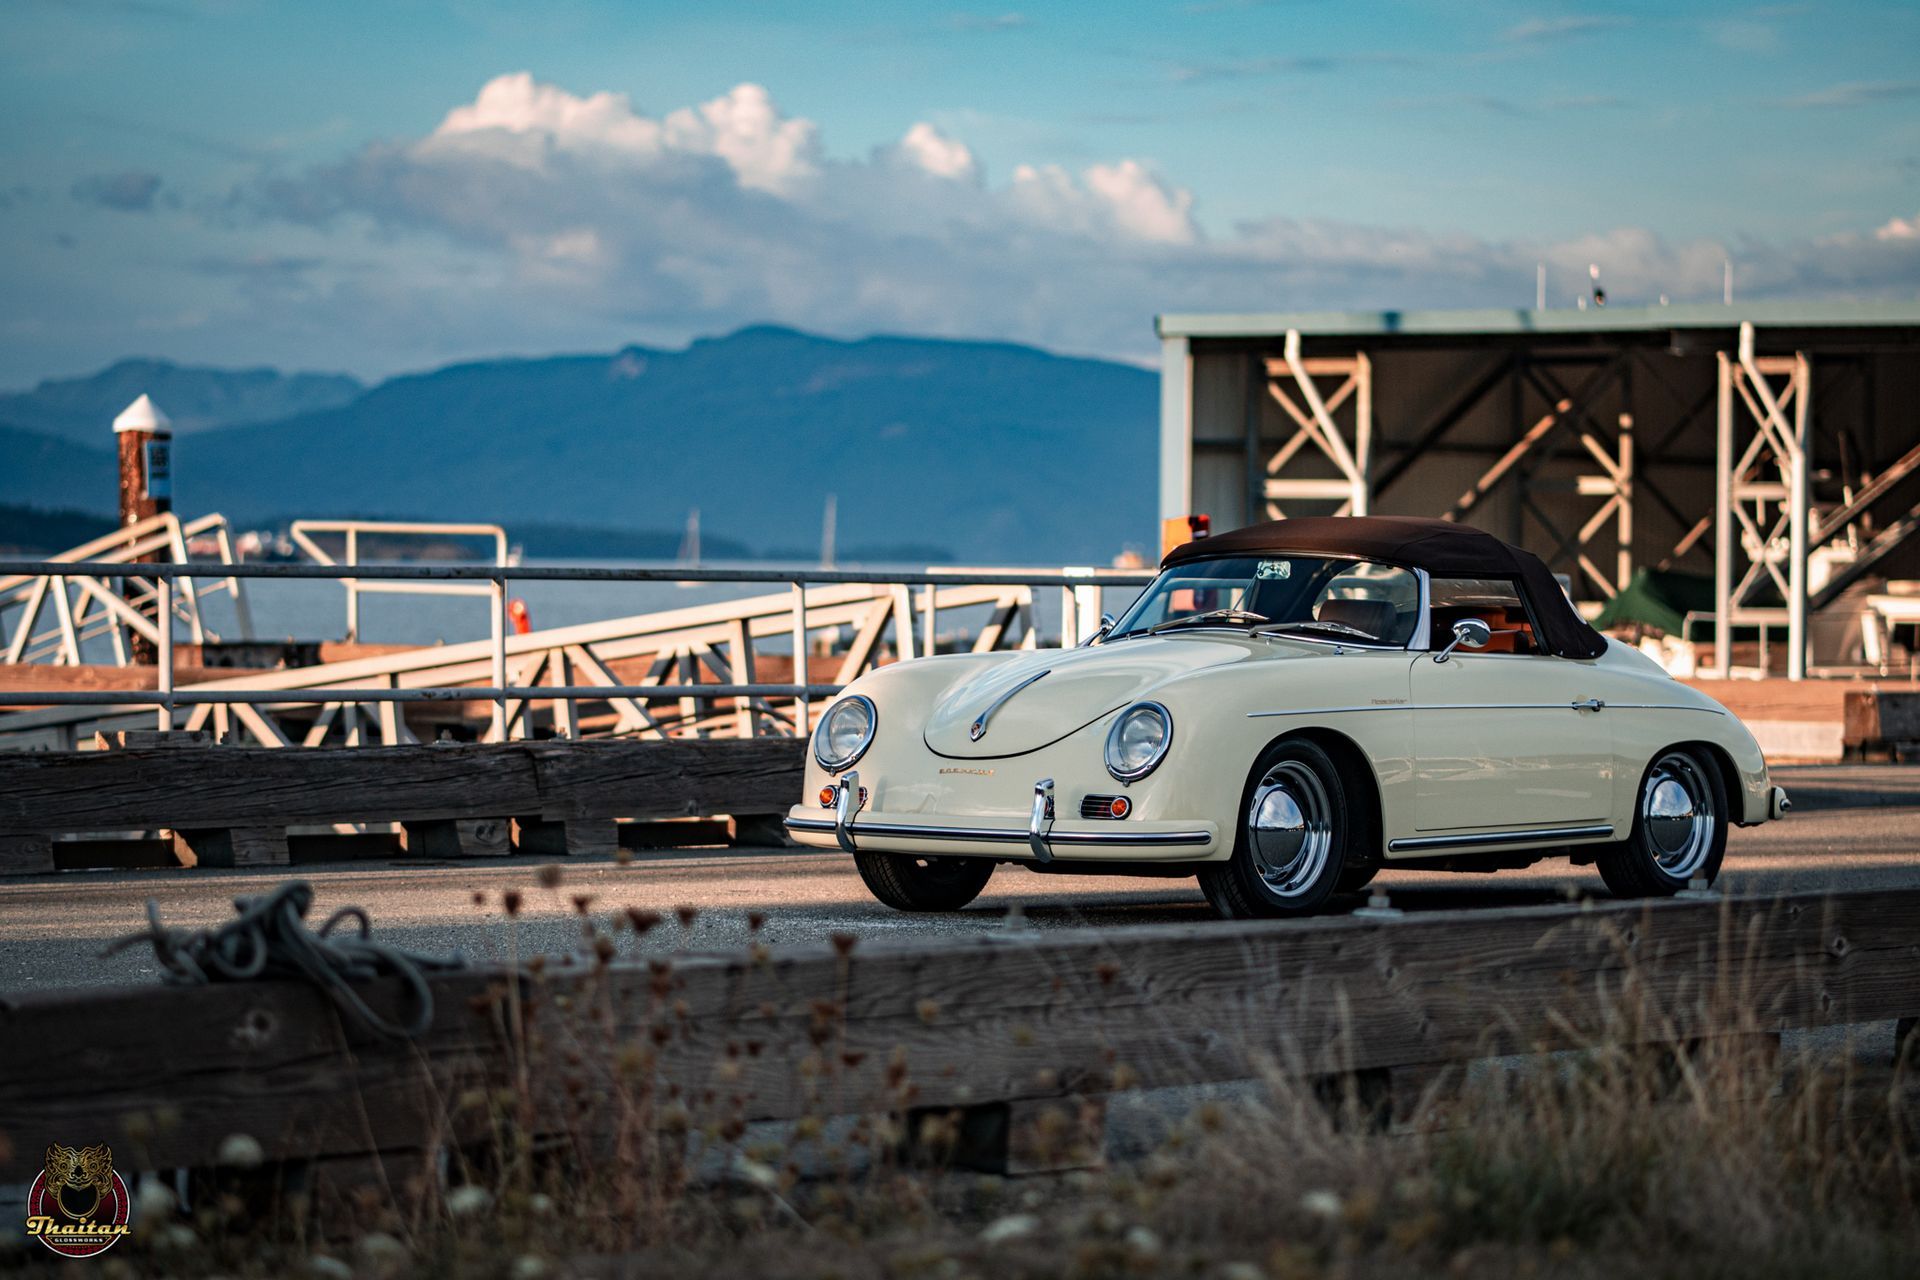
(1441, 548)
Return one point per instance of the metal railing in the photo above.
(305, 534)
(1080, 601)
(107, 574)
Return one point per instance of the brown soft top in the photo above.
(1443, 549)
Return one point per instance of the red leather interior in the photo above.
(1517, 637)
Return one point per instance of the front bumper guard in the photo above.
(1039, 835)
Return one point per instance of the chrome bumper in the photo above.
(1040, 835)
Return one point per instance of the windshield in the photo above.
(1308, 596)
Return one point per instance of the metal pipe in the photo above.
(168, 696)
(497, 606)
(163, 655)
(597, 573)
(353, 586)
(1797, 520)
(802, 707)
(1796, 442)
(1723, 526)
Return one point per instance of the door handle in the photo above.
(1591, 704)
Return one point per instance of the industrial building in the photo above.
(1766, 449)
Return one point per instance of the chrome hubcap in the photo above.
(1290, 829)
(1676, 811)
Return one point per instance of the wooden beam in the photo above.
(951, 1023)
(232, 847)
(45, 793)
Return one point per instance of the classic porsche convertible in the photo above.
(1283, 711)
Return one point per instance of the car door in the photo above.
(1505, 739)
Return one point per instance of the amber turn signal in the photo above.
(1122, 806)
(826, 797)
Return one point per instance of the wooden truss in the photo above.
(1313, 393)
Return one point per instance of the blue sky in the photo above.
(376, 187)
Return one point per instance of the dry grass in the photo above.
(1725, 1157)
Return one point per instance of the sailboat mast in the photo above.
(690, 541)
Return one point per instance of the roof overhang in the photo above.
(1570, 321)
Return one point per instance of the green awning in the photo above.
(1658, 598)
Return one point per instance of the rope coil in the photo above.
(268, 939)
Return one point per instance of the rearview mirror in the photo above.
(1106, 624)
(1468, 633)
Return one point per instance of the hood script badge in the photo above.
(978, 729)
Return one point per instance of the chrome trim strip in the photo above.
(1487, 706)
(996, 835)
(1600, 831)
(978, 729)
(1328, 711)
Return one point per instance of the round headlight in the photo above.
(1138, 741)
(845, 732)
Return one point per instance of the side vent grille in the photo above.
(1105, 807)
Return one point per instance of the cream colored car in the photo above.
(1284, 711)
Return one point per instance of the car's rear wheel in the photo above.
(1679, 829)
(1296, 827)
(910, 882)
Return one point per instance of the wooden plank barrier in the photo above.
(167, 1074)
(235, 803)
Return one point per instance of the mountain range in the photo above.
(973, 451)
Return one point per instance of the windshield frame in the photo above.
(1417, 642)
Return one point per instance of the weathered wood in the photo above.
(460, 838)
(998, 1018)
(248, 787)
(582, 837)
(150, 740)
(1047, 1135)
(25, 855)
(671, 779)
(232, 847)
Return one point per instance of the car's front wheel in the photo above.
(1679, 829)
(1296, 827)
(908, 882)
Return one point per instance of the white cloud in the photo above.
(516, 104)
(1121, 200)
(925, 147)
(535, 217)
(1900, 229)
(1855, 93)
(768, 151)
(521, 120)
(1542, 30)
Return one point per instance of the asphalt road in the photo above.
(1855, 827)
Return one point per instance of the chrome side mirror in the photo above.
(1468, 633)
(1106, 624)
